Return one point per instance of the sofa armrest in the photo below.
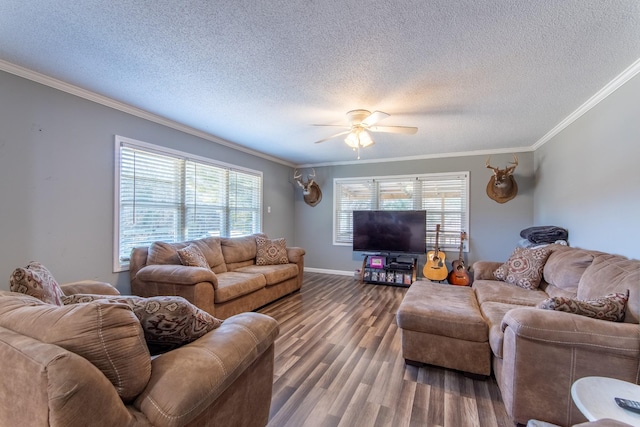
(572, 330)
(295, 254)
(176, 274)
(89, 287)
(483, 270)
(215, 361)
(49, 385)
(544, 352)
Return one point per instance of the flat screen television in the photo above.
(390, 231)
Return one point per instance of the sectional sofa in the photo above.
(535, 354)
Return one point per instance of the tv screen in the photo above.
(390, 231)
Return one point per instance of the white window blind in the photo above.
(443, 196)
(165, 195)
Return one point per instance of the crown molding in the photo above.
(126, 108)
(611, 87)
(422, 157)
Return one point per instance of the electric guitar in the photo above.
(459, 275)
(435, 268)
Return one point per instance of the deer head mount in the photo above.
(310, 189)
(502, 186)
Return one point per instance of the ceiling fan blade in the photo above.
(395, 129)
(374, 118)
(333, 136)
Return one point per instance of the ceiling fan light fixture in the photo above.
(359, 138)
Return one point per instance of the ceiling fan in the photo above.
(361, 122)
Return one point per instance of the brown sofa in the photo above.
(233, 284)
(222, 378)
(536, 354)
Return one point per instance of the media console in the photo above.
(388, 269)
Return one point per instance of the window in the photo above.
(444, 197)
(171, 196)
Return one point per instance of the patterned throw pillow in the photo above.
(610, 307)
(37, 281)
(271, 251)
(524, 267)
(167, 321)
(192, 256)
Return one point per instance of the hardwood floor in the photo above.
(338, 362)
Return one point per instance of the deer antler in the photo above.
(510, 169)
(489, 166)
(310, 177)
(297, 176)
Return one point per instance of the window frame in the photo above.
(121, 141)
(416, 202)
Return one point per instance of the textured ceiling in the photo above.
(473, 76)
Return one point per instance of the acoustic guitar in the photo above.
(435, 268)
(459, 275)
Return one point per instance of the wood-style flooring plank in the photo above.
(338, 362)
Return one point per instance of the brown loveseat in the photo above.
(223, 378)
(232, 284)
(536, 354)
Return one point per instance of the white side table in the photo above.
(594, 397)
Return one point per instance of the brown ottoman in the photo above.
(442, 325)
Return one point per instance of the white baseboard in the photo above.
(326, 271)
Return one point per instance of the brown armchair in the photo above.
(222, 378)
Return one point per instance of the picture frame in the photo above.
(376, 261)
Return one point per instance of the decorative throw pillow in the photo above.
(610, 307)
(524, 267)
(167, 321)
(271, 251)
(37, 281)
(192, 256)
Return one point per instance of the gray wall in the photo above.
(588, 179)
(493, 230)
(57, 180)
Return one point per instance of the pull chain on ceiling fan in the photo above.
(361, 122)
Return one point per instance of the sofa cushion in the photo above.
(496, 291)
(610, 307)
(35, 280)
(524, 267)
(161, 253)
(212, 251)
(565, 267)
(273, 274)
(610, 274)
(192, 256)
(239, 249)
(271, 251)
(494, 312)
(107, 335)
(168, 321)
(450, 311)
(233, 284)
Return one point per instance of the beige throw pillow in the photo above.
(107, 335)
(192, 256)
(524, 267)
(37, 281)
(271, 251)
(610, 307)
(168, 321)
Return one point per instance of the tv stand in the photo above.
(388, 269)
